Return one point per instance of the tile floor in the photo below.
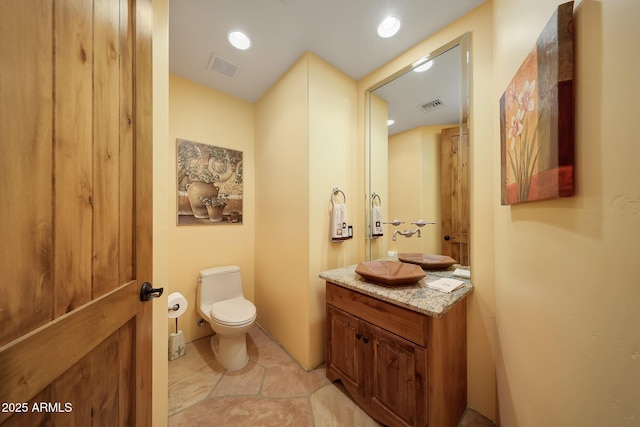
(272, 390)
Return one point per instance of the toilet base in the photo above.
(230, 352)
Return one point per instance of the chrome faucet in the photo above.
(406, 233)
(421, 223)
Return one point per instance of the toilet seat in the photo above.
(233, 312)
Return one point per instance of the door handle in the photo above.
(148, 292)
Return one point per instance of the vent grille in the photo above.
(223, 67)
(432, 105)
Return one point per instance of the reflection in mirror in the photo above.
(417, 157)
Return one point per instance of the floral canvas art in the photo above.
(536, 118)
(209, 184)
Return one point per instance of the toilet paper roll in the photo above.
(176, 298)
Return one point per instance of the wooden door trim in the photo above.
(33, 361)
(143, 120)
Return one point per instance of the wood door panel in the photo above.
(394, 386)
(63, 342)
(90, 392)
(345, 354)
(106, 145)
(143, 213)
(62, 120)
(25, 196)
(29, 417)
(126, 148)
(454, 179)
(105, 388)
(76, 165)
(73, 187)
(76, 381)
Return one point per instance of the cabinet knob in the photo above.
(365, 339)
(358, 335)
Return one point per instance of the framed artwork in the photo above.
(209, 182)
(536, 118)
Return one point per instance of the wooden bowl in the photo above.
(428, 261)
(391, 273)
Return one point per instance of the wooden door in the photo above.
(454, 178)
(75, 212)
(395, 378)
(345, 357)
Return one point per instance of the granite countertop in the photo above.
(417, 297)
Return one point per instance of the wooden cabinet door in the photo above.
(75, 215)
(345, 357)
(395, 377)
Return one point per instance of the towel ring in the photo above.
(335, 191)
(375, 196)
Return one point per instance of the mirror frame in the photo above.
(464, 41)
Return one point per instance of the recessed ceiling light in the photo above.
(423, 67)
(390, 122)
(389, 26)
(239, 40)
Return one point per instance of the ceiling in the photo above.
(342, 32)
(431, 97)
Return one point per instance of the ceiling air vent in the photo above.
(432, 105)
(223, 67)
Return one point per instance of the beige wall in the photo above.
(414, 187)
(567, 271)
(332, 151)
(378, 157)
(480, 304)
(282, 239)
(201, 114)
(305, 142)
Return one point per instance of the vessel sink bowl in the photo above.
(391, 273)
(428, 261)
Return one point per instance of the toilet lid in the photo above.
(234, 311)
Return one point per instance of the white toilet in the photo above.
(221, 303)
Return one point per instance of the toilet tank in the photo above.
(219, 283)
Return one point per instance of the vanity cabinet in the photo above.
(403, 367)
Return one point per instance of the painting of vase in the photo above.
(536, 118)
(209, 184)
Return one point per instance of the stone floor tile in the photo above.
(245, 381)
(331, 407)
(290, 380)
(199, 355)
(264, 350)
(191, 389)
(473, 419)
(246, 411)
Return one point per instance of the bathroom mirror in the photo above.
(417, 167)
